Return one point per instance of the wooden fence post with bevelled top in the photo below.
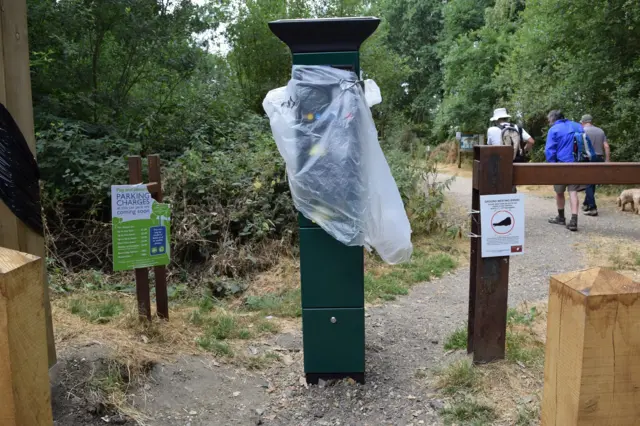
(25, 397)
(592, 359)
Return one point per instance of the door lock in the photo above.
(333, 320)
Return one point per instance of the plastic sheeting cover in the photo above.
(338, 175)
(19, 174)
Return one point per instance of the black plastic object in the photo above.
(19, 174)
(324, 35)
(327, 108)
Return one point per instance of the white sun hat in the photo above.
(499, 113)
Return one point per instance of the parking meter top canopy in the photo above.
(324, 35)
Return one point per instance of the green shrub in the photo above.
(422, 192)
(457, 339)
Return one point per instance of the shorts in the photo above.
(560, 189)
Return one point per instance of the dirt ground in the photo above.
(404, 350)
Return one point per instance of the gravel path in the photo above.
(407, 335)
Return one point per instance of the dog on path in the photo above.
(630, 196)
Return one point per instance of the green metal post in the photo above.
(332, 274)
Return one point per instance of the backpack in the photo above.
(582, 147)
(511, 135)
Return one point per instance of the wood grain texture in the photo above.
(159, 272)
(142, 274)
(592, 362)
(489, 277)
(15, 94)
(25, 397)
(576, 173)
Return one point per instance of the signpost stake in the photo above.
(159, 272)
(142, 274)
(489, 277)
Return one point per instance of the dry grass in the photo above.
(465, 171)
(155, 341)
(509, 390)
(284, 276)
(446, 152)
(621, 255)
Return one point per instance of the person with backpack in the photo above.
(505, 133)
(566, 143)
(602, 153)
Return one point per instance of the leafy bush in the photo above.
(421, 190)
(227, 198)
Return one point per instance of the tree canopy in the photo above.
(112, 78)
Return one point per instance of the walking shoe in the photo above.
(591, 212)
(558, 220)
(573, 225)
(585, 208)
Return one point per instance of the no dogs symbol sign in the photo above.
(502, 224)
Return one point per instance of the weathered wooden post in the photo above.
(159, 272)
(592, 361)
(25, 397)
(15, 94)
(489, 277)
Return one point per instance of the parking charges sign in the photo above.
(502, 225)
(141, 228)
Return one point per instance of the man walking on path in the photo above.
(503, 129)
(603, 153)
(559, 149)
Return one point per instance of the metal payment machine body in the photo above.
(332, 274)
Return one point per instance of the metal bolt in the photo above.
(333, 320)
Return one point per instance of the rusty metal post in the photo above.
(489, 277)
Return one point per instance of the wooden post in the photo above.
(15, 94)
(489, 277)
(159, 272)
(25, 397)
(592, 361)
(142, 274)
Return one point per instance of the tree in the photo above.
(470, 63)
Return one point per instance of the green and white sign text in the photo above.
(140, 228)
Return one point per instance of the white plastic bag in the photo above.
(372, 93)
(337, 172)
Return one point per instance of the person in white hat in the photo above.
(500, 120)
(502, 131)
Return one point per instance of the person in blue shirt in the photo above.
(559, 149)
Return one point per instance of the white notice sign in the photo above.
(502, 224)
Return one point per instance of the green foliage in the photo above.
(234, 190)
(398, 280)
(285, 304)
(421, 191)
(523, 348)
(528, 416)
(456, 340)
(459, 376)
(95, 309)
(414, 28)
(222, 326)
(516, 317)
(210, 344)
(468, 412)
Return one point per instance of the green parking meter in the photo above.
(332, 273)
